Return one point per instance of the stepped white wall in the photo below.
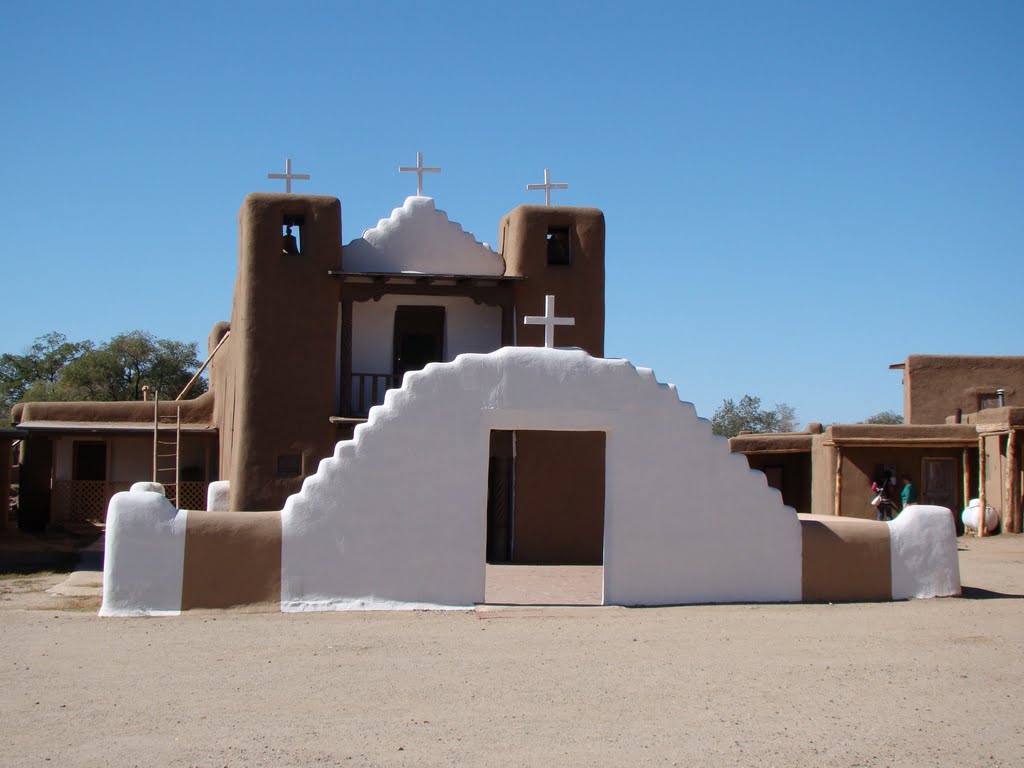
(397, 516)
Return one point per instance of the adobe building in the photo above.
(964, 416)
(318, 333)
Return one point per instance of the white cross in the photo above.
(288, 176)
(549, 321)
(419, 170)
(547, 186)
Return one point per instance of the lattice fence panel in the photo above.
(88, 502)
(192, 495)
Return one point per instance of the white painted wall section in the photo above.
(922, 541)
(218, 496)
(398, 514)
(144, 555)
(420, 238)
(469, 327)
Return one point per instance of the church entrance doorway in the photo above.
(545, 516)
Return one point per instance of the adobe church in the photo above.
(318, 333)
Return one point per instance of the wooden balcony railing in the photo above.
(368, 390)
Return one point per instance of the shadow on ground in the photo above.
(978, 593)
(63, 552)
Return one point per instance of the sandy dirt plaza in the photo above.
(921, 683)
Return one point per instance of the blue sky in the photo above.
(796, 194)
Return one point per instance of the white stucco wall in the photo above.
(144, 555)
(131, 458)
(63, 458)
(420, 238)
(924, 559)
(398, 514)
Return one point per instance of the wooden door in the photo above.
(938, 482)
(418, 339)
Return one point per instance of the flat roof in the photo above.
(421, 278)
(110, 427)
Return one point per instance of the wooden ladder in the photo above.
(166, 451)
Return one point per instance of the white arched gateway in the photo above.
(396, 517)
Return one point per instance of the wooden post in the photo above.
(1018, 524)
(1010, 501)
(981, 486)
(346, 357)
(839, 482)
(967, 477)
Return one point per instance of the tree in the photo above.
(56, 369)
(747, 416)
(34, 375)
(884, 417)
(119, 369)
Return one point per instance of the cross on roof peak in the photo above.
(547, 186)
(549, 321)
(419, 170)
(288, 176)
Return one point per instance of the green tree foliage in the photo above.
(57, 369)
(36, 374)
(748, 416)
(884, 417)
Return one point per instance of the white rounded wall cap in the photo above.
(217, 495)
(149, 487)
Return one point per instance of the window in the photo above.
(291, 234)
(991, 400)
(289, 465)
(559, 247)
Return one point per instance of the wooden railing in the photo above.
(368, 390)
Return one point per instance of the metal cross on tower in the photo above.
(288, 176)
(549, 321)
(547, 186)
(419, 170)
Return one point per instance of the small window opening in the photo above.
(289, 464)
(559, 251)
(991, 400)
(291, 234)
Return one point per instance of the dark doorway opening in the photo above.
(90, 461)
(418, 339)
(545, 517)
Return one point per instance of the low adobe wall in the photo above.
(396, 517)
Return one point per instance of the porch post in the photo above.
(346, 356)
(981, 486)
(1011, 502)
(966, 463)
(839, 482)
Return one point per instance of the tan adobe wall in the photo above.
(284, 338)
(578, 287)
(222, 382)
(823, 476)
(935, 386)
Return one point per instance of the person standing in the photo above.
(909, 494)
(884, 487)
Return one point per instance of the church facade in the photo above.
(319, 332)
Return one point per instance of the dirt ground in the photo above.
(920, 683)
